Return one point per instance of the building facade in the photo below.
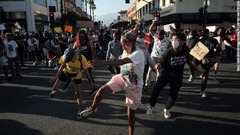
(185, 13)
(31, 15)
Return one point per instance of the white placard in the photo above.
(168, 27)
(211, 28)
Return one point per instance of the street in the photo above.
(26, 109)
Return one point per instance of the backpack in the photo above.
(79, 56)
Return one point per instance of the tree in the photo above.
(93, 7)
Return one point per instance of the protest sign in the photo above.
(199, 51)
(68, 28)
(57, 29)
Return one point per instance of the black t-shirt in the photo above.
(213, 46)
(173, 62)
(85, 49)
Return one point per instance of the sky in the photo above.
(110, 6)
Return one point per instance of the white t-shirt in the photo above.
(137, 65)
(159, 47)
(11, 48)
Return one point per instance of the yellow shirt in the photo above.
(73, 67)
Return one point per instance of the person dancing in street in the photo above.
(130, 79)
(172, 65)
(71, 68)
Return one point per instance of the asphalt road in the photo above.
(26, 109)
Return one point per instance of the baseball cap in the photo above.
(129, 35)
(68, 55)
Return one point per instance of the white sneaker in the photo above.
(167, 114)
(190, 78)
(86, 113)
(204, 95)
(150, 110)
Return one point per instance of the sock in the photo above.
(53, 92)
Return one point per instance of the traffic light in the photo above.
(200, 13)
(51, 17)
(158, 14)
(127, 1)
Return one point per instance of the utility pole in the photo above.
(238, 36)
(61, 7)
(205, 14)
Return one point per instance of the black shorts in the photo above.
(63, 77)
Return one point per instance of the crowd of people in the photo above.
(136, 58)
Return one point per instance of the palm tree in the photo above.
(93, 7)
(86, 1)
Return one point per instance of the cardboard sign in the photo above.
(68, 28)
(169, 27)
(199, 51)
(57, 29)
(2, 27)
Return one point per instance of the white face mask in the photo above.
(190, 36)
(175, 44)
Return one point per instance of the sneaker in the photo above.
(214, 78)
(167, 114)
(190, 78)
(150, 110)
(203, 94)
(87, 112)
(51, 95)
(78, 114)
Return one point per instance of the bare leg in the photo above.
(104, 90)
(78, 88)
(131, 120)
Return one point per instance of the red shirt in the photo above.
(148, 42)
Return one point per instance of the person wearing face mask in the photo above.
(159, 47)
(209, 59)
(172, 65)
